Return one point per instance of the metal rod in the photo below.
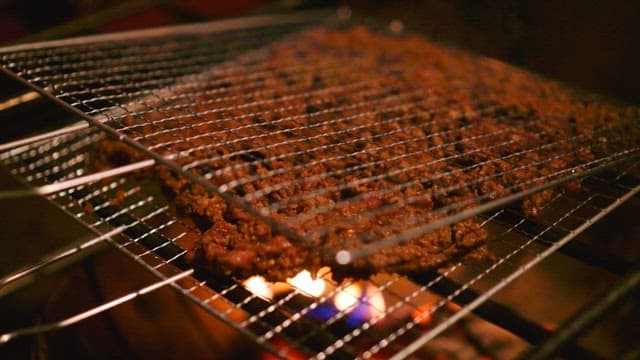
(413, 347)
(346, 256)
(591, 254)
(581, 322)
(214, 26)
(19, 100)
(498, 314)
(57, 257)
(81, 125)
(81, 180)
(143, 234)
(172, 165)
(598, 256)
(36, 329)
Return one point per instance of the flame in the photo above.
(303, 282)
(365, 298)
(259, 286)
(285, 351)
(422, 315)
(376, 301)
(361, 301)
(348, 298)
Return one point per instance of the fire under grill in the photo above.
(340, 151)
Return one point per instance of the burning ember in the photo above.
(361, 301)
(422, 315)
(358, 302)
(303, 282)
(259, 286)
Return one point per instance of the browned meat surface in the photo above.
(349, 137)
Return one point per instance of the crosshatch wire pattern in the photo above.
(386, 315)
(322, 134)
(205, 99)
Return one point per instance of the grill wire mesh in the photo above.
(203, 98)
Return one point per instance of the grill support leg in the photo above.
(500, 315)
(586, 317)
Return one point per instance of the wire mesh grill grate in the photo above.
(349, 147)
(325, 122)
(378, 317)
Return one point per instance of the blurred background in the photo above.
(588, 44)
(594, 45)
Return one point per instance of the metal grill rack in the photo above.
(141, 87)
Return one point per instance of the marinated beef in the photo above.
(350, 136)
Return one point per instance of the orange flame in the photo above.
(303, 281)
(423, 314)
(361, 294)
(259, 286)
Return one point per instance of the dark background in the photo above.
(594, 45)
